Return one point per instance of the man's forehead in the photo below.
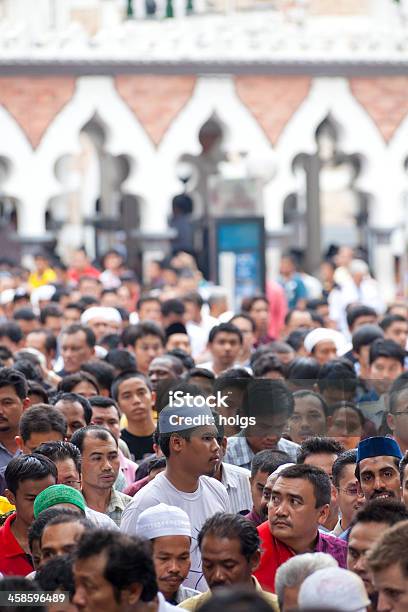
(94, 444)
(377, 462)
(369, 531)
(292, 486)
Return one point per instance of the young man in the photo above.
(271, 404)
(61, 534)
(165, 367)
(397, 418)
(134, 396)
(247, 328)
(224, 344)
(100, 467)
(322, 453)
(13, 401)
(77, 346)
(395, 328)
(115, 573)
(377, 469)
(148, 308)
(350, 498)
(75, 408)
(230, 549)
(146, 340)
(388, 564)
(361, 340)
(38, 424)
(325, 344)
(169, 531)
(26, 476)
(309, 416)
(192, 453)
(105, 413)
(366, 529)
(299, 504)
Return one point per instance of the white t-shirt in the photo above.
(209, 498)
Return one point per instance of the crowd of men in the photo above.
(160, 448)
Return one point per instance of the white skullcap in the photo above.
(358, 266)
(321, 334)
(107, 313)
(6, 296)
(42, 293)
(280, 468)
(163, 520)
(335, 588)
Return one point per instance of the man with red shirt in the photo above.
(299, 503)
(26, 476)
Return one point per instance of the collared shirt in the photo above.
(117, 503)
(254, 517)
(236, 480)
(338, 530)
(194, 603)
(240, 453)
(128, 469)
(6, 456)
(182, 594)
(13, 559)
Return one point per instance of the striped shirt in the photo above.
(236, 480)
(240, 453)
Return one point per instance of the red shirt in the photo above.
(75, 275)
(13, 560)
(274, 553)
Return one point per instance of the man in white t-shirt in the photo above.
(191, 450)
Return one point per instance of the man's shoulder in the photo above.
(193, 603)
(237, 470)
(213, 485)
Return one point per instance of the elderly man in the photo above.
(325, 344)
(102, 321)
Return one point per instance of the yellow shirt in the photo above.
(36, 280)
(194, 603)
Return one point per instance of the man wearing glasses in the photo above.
(350, 498)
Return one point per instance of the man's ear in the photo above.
(391, 421)
(131, 595)
(177, 443)
(254, 561)
(324, 512)
(224, 443)
(26, 403)
(19, 442)
(154, 398)
(10, 496)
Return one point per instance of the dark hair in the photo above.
(128, 560)
(268, 460)
(42, 418)
(57, 575)
(29, 370)
(37, 526)
(186, 359)
(337, 374)
(388, 320)
(319, 480)
(101, 371)
(317, 446)
(35, 388)
(5, 353)
(95, 431)
(226, 328)
(195, 298)
(352, 406)
(365, 335)
(236, 378)
(267, 397)
(61, 396)
(355, 312)
(236, 599)
(133, 333)
(121, 360)
(76, 306)
(234, 527)
(348, 457)
(244, 315)
(75, 328)
(60, 451)
(68, 383)
(12, 331)
(147, 298)
(268, 363)
(173, 306)
(24, 314)
(70, 516)
(164, 439)
(303, 368)
(402, 465)
(200, 373)
(297, 337)
(248, 302)
(110, 341)
(307, 393)
(21, 585)
(50, 311)
(389, 511)
(289, 314)
(28, 467)
(99, 401)
(278, 347)
(12, 378)
(125, 376)
(388, 349)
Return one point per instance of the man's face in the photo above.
(24, 498)
(202, 452)
(379, 478)
(362, 538)
(171, 558)
(74, 416)
(248, 336)
(146, 349)
(68, 473)
(179, 341)
(60, 539)
(384, 370)
(324, 351)
(258, 483)
(299, 318)
(101, 327)
(11, 409)
(37, 340)
(54, 324)
(292, 514)
(398, 419)
(392, 587)
(135, 399)
(71, 316)
(346, 427)
(107, 417)
(37, 438)
(349, 497)
(260, 314)
(90, 286)
(398, 331)
(100, 463)
(150, 311)
(161, 369)
(363, 320)
(27, 326)
(75, 351)
(308, 419)
(93, 592)
(225, 349)
(223, 562)
(267, 432)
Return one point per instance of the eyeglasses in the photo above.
(71, 483)
(352, 492)
(400, 413)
